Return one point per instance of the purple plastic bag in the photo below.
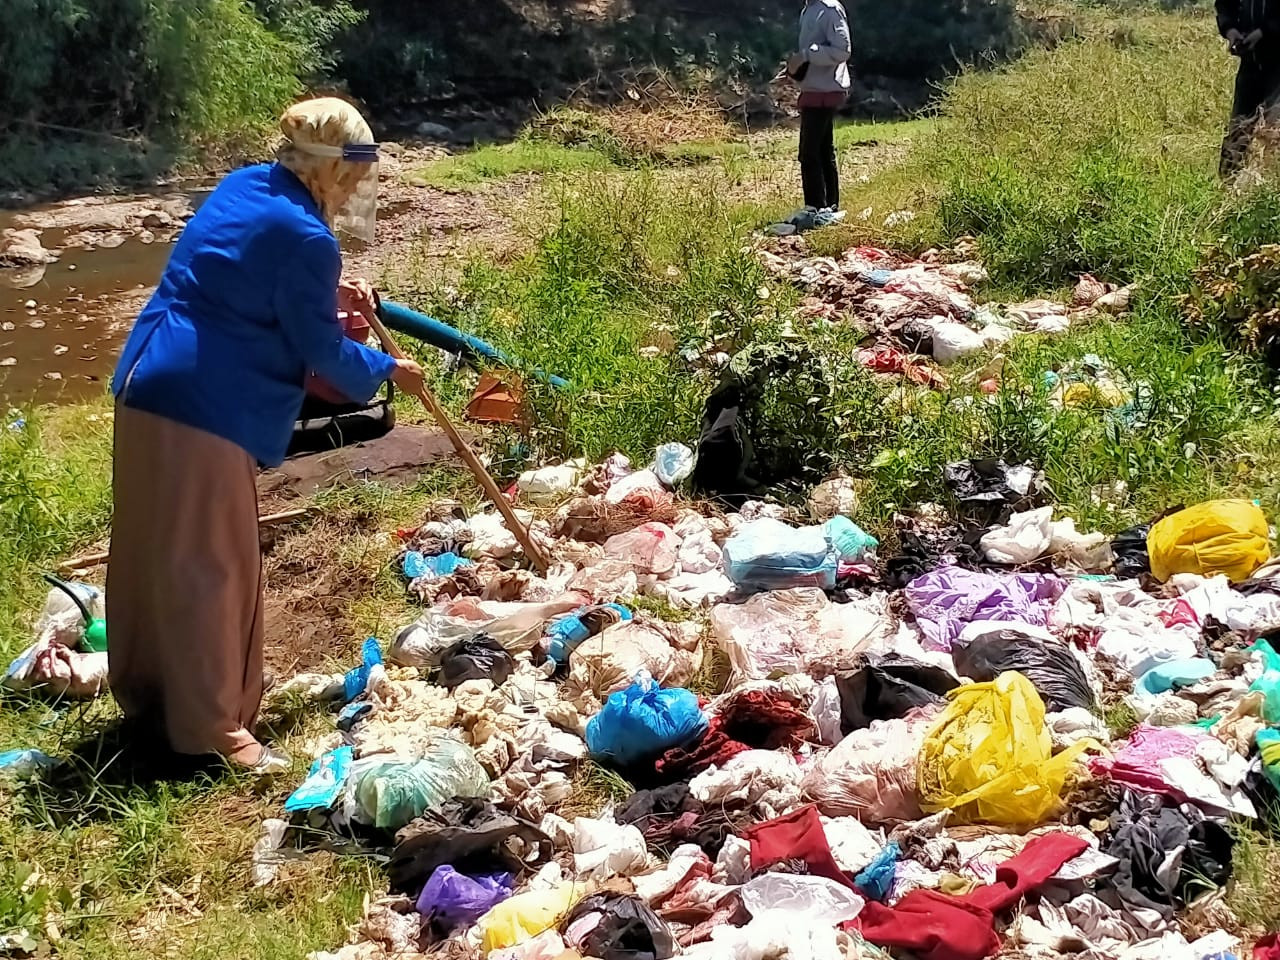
(945, 600)
(457, 900)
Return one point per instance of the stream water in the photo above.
(62, 325)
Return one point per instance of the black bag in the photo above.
(471, 836)
(1051, 667)
(628, 929)
(475, 658)
(887, 688)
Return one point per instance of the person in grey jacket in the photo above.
(821, 67)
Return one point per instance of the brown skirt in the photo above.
(184, 586)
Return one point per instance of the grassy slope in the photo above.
(1052, 177)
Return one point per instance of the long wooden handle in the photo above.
(468, 455)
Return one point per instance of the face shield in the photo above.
(358, 216)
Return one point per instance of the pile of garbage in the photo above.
(921, 314)
(827, 751)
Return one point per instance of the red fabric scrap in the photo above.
(752, 720)
(796, 836)
(934, 926)
(1266, 948)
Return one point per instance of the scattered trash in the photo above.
(822, 738)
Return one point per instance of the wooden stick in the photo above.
(468, 456)
(77, 564)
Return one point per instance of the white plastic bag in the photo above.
(870, 774)
(807, 900)
(603, 849)
(651, 548)
(1026, 538)
(550, 485)
(951, 341)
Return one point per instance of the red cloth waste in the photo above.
(934, 926)
(796, 836)
(752, 720)
(1266, 948)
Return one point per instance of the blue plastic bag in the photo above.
(324, 783)
(456, 900)
(417, 565)
(767, 554)
(357, 678)
(877, 879)
(565, 634)
(644, 721)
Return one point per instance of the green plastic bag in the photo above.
(395, 792)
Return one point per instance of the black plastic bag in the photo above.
(887, 688)
(1129, 550)
(988, 492)
(471, 836)
(475, 658)
(628, 929)
(1051, 667)
(725, 457)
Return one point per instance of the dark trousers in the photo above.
(1257, 87)
(819, 171)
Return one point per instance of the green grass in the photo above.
(499, 161)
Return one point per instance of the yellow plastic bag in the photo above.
(1221, 536)
(990, 757)
(524, 916)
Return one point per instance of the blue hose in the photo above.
(429, 330)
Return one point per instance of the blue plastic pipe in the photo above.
(429, 330)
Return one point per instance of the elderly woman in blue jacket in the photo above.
(207, 389)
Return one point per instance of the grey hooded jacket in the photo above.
(826, 44)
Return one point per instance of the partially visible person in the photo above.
(208, 388)
(821, 67)
(1252, 31)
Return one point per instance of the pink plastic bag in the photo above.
(651, 548)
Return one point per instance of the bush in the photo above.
(173, 70)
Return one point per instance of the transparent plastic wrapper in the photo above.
(766, 554)
(525, 916)
(1227, 537)
(800, 630)
(833, 498)
(870, 774)
(390, 793)
(641, 491)
(643, 722)
(651, 548)
(990, 756)
(610, 660)
(805, 899)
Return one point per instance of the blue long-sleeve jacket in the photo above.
(246, 307)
